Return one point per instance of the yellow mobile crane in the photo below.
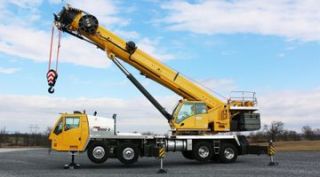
(196, 122)
(210, 114)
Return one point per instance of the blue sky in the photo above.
(271, 47)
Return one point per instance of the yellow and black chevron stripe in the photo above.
(271, 150)
(162, 152)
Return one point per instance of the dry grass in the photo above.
(297, 145)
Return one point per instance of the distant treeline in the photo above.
(16, 139)
(277, 132)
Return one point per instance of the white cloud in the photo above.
(8, 70)
(294, 108)
(25, 3)
(152, 48)
(28, 43)
(82, 53)
(2, 4)
(17, 112)
(227, 85)
(129, 35)
(55, 1)
(29, 9)
(294, 19)
(20, 38)
(105, 10)
(220, 88)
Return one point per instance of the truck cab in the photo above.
(70, 132)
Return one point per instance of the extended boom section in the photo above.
(198, 112)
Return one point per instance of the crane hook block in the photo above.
(88, 24)
(51, 90)
(52, 76)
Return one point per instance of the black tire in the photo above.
(128, 153)
(188, 155)
(202, 151)
(228, 153)
(97, 152)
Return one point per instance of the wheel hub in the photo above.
(203, 152)
(98, 152)
(229, 153)
(128, 153)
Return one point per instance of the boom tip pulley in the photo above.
(89, 24)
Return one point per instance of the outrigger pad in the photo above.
(72, 166)
(162, 171)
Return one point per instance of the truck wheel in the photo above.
(97, 152)
(202, 151)
(228, 153)
(128, 153)
(188, 155)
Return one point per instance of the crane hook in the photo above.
(51, 90)
(52, 76)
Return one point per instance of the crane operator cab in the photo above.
(195, 116)
(190, 115)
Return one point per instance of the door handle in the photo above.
(79, 138)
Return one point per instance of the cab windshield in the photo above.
(72, 122)
(58, 128)
(175, 109)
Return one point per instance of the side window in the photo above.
(187, 110)
(72, 122)
(201, 108)
(58, 128)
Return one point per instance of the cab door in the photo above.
(72, 133)
(201, 116)
(56, 136)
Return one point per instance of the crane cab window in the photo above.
(58, 128)
(201, 108)
(191, 109)
(185, 111)
(72, 122)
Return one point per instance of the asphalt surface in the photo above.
(37, 162)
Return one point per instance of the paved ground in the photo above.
(16, 149)
(39, 163)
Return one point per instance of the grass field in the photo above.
(297, 145)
